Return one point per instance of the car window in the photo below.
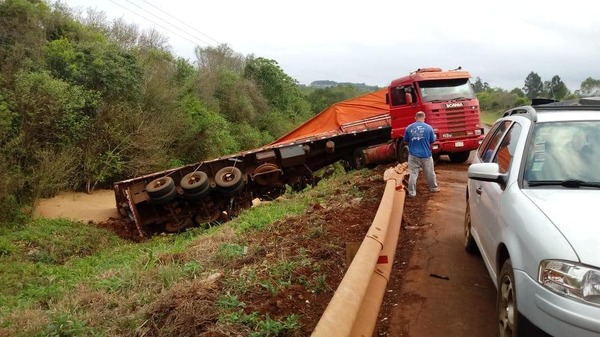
(486, 151)
(564, 151)
(506, 150)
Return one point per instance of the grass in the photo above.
(489, 117)
(65, 278)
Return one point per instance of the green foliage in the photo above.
(249, 137)
(499, 100)
(280, 90)
(57, 241)
(51, 110)
(533, 87)
(229, 302)
(21, 34)
(229, 251)
(52, 172)
(98, 66)
(320, 99)
(589, 87)
(258, 217)
(205, 129)
(262, 327)
(65, 325)
(555, 88)
(479, 86)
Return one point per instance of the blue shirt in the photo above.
(419, 135)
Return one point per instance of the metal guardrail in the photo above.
(354, 307)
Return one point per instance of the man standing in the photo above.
(419, 135)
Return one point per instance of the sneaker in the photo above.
(410, 195)
(434, 190)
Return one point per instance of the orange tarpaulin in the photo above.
(332, 118)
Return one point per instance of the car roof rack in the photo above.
(545, 104)
(526, 110)
(583, 101)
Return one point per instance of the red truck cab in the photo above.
(451, 107)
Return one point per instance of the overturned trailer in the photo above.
(218, 189)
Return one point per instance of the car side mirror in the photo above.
(489, 172)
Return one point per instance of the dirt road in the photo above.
(443, 290)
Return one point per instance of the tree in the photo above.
(320, 99)
(479, 86)
(518, 92)
(21, 34)
(280, 90)
(52, 113)
(589, 87)
(556, 88)
(497, 99)
(534, 86)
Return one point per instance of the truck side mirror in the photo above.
(387, 98)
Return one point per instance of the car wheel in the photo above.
(507, 301)
(470, 244)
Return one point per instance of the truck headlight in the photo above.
(571, 280)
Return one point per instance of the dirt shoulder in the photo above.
(437, 288)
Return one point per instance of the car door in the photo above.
(488, 195)
(485, 154)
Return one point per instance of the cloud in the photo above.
(373, 43)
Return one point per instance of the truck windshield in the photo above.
(446, 90)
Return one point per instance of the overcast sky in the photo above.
(500, 42)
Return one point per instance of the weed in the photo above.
(356, 192)
(229, 251)
(269, 327)
(316, 230)
(229, 302)
(6, 247)
(319, 284)
(262, 327)
(192, 268)
(64, 325)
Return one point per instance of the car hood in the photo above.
(574, 212)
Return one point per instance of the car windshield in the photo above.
(565, 154)
(446, 90)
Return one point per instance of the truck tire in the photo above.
(160, 187)
(163, 199)
(402, 152)
(194, 182)
(229, 179)
(181, 225)
(197, 194)
(459, 157)
(358, 159)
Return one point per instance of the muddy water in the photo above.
(98, 206)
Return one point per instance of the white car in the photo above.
(533, 213)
